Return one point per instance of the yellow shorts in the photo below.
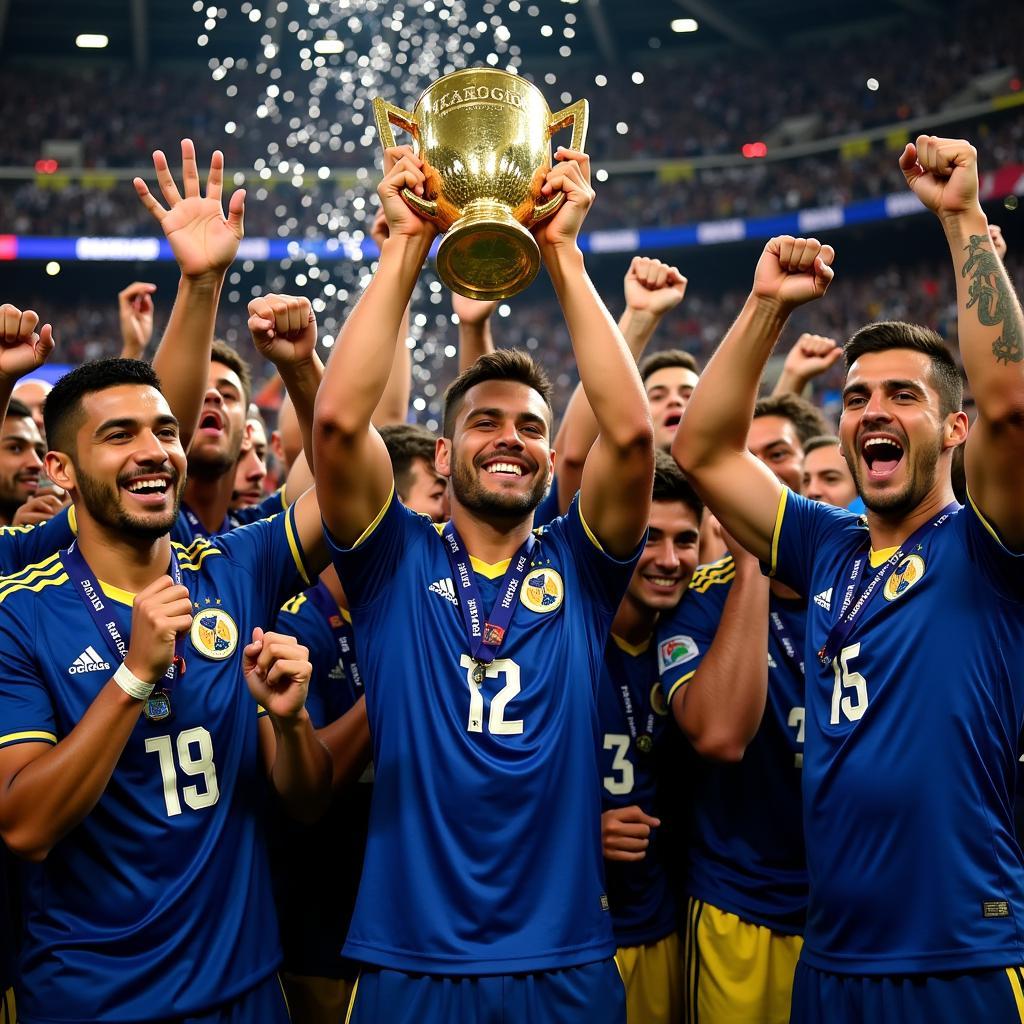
(653, 978)
(736, 972)
(315, 1000)
(8, 1012)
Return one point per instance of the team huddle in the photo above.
(680, 709)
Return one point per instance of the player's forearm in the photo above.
(7, 386)
(348, 740)
(475, 340)
(302, 381)
(357, 372)
(717, 419)
(720, 708)
(50, 795)
(637, 327)
(393, 406)
(182, 359)
(989, 321)
(607, 368)
(301, 774)
(790, 383)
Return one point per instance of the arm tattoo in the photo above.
(989, 293)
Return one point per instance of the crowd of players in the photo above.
(686, 710)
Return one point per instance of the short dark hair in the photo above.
(62, 410)
(821, 441)
(670, 484)
(669, 357)
(807, 419)
(407, 442)
(18, 410)
(890, 334)
(503, 364)
(222, 352)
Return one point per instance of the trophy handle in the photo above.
(577, 115)
(387, 114)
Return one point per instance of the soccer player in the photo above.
(484, 717)
(131, 759)
(419, 485)
(632, 715)
(914, 637)
(827, 477)
(730, 657)
(21, 452)
(251, 468)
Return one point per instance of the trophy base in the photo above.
(487, 254)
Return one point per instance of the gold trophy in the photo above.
(485, 139)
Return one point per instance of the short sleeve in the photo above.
(368, 567)
(271, 552)
(272, 505)
(21, 546)
(801, 527)
(26, 710)
(685, 637)
(1001, 565)
(601, 574)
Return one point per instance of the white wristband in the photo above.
(132, 684)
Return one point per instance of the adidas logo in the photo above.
(824, 599)
(445, 588)
(338, 672)
(88, 661)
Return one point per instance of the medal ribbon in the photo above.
(485, 636)
(851, 610)
(105, 613)
(785, 638)
(629, 704)
(344, 637)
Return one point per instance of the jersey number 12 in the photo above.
(497, 724)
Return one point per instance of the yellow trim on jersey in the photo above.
(50, 564)
(876, 558)
(376, 519)
(492, 570)
(1018, 993)
(293, 604)
(780, 512)
(73, 520)
(117, 594)
(716, 568)
(28, 736)
(675, 686)
(345, 614)
(702, 585)
(634, 650)
(293, 544)
(284, 497)
(192, 562)
(988, 526)
(587, 530)
(34, 588)
(7, 1005)
(352, 1000)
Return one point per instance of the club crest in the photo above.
(906, 575)
(542, 590)
(214, 634)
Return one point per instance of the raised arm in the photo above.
(617, 478)
(943, 173)
(711, 442)
(652, 289)
(204, 243)
(810, 357)
(352, 467)
(135, 313)
(22, 349)
(475, 337)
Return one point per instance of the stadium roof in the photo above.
(142, 32)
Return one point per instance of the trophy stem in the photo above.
(487, 254)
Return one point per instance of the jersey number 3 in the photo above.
(497, 725)
(195, 757)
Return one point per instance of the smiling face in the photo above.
(827, 478)
(774, 440)
(893, 430)
(669, 557)
(668, 391)
(499, 458)
(128, 469)
(217, 443)
(21, 460)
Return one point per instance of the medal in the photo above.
(645, 743)
(158, 707)
(479, 673)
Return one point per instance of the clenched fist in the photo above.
(792, 271)
(277, 670)
(159, 614)
(283, 327)
(653, 287)
(22, 350)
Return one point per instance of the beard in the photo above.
(213, 465)
(471, 494)
(921, 472)
(103, 503)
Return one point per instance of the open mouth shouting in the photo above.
(882, 454)
(150, 490)
(211, 423)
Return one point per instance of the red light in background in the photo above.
(1014, 85)
(754, 150)
(46, 166)
(8, 247)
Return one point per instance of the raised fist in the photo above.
(810, 357)
(793, 271)
(283, 327)
(135, 311)
(652, 286)
(943, 174)
(22, 350)
(571, 175)
(277, 671)
(403, 169)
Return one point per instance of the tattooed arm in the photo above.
(944, 175)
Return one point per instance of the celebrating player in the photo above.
(483, 718)
(910, 745)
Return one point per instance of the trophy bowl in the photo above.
(485, 139)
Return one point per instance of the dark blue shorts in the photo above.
(985, 997)
(591, 994)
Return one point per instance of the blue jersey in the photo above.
(642, 906)
(157, 904)
(316, 867)
(484, 853)
(25, 545)
(911, 745)
(269, 506)
(188, 528)
(746, 835)
(547, 510)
